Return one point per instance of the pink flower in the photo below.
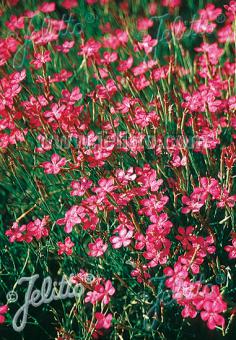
(46, 145)
(189, 311)
(72, 217)
(105, 186)
(55, 166)
(147, 44)
(152, 8)
(171, 3)
(226, 200)
(148, 178)
(47, 7)
(231, 10)
(124, 177)
(80, 187)
(141, 241)
(55, 113)
(105, 291)
(140, 69)
(125, 65)
(97, 248)
(210, 12)
(37, 228)
(141, 274)
(68, 4)
(211, 185)
(66, 46)
(141, 82)
(195, 202)
(92, 297)
(144, 24)
(177, 276)
(226, 34)
(16, 232)
(101, 293)
(90, 48)
(26, 232)
(103, 321)
(109, 57)
(124, 238)
(15, 23)
(211, 314)
(191, 261)
(231, 249)
(126, 105)
(91, 2)
(160, 73)
(40, 59)
(65, 247)
(71, 98)
(13, 2)
(185, 237)
(203, 26)
(178, 28)
(152, 205)
(3, 310)
(213, 52)
(177, 161)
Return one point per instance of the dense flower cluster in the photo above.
(27, 232)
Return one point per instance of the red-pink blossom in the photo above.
(231, 249)
(54, 167)
(3, 311)
(124, 238)
(65, 247)
(97, 248)
(103, 321)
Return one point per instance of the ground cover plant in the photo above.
(117, 169)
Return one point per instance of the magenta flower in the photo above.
(72, 217)
(54, 167)
(97, 248)
(101, 293)
(231, 249)
(47, 7)
(40, 59)
(211, 314)
(147, 44)
(171, 3)
(103, 321)
(80, 187)
(37, 228)
(90, 48)
(194, 203)
(68, 4)
(105, 186)
(124, 238)
(105, 291)
(3, 311)
(65, 247)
